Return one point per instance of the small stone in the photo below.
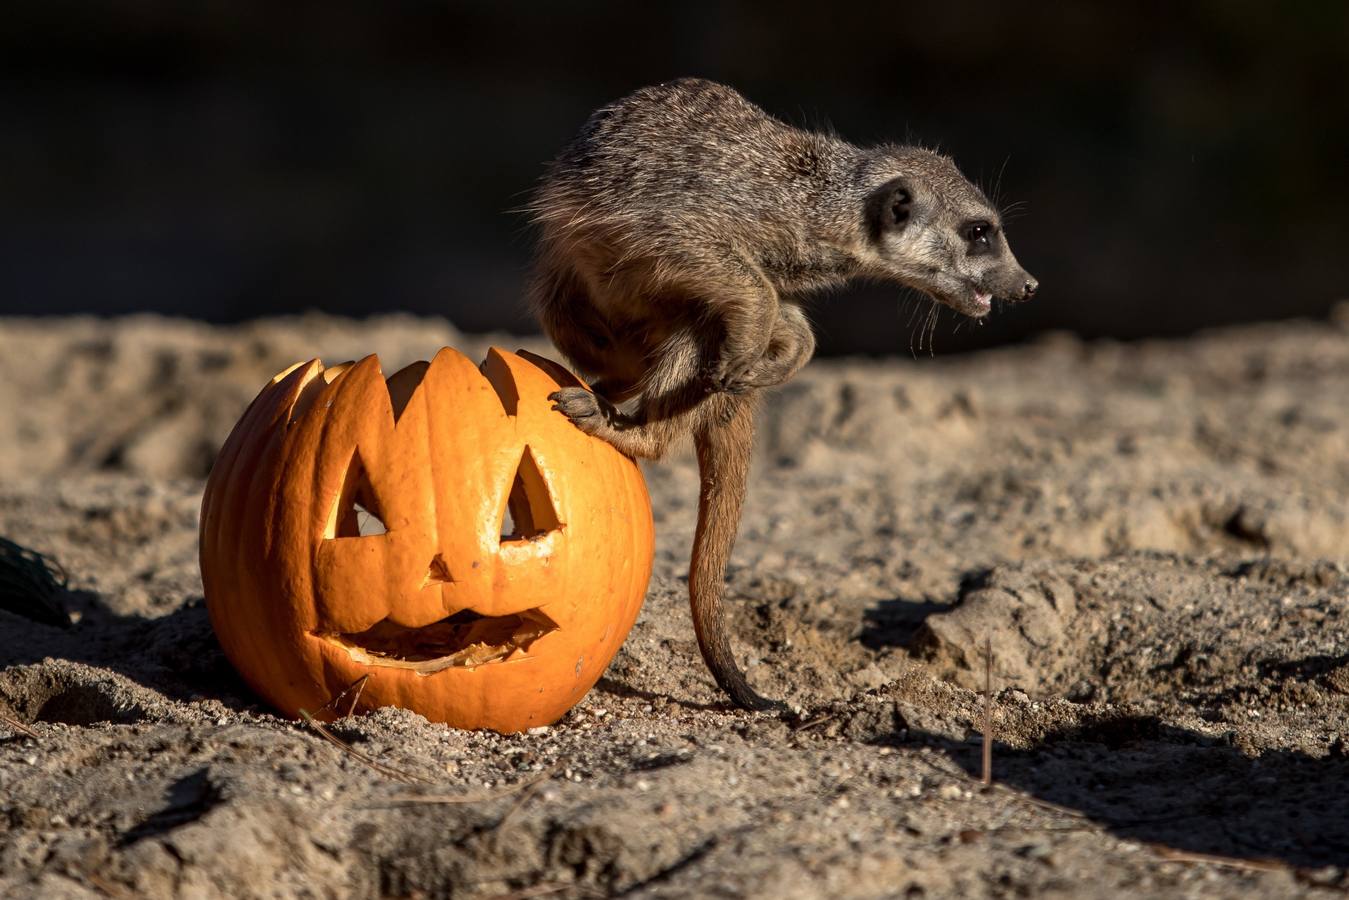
(1082, 691)
(1034, 851)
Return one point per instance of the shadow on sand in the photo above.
(175, 655)
(1137, 776)
(1159, 784)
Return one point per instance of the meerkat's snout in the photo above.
(1021, 287)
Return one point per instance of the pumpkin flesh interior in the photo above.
(465, 639)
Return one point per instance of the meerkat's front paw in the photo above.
(581, 406)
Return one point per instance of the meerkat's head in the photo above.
(929, 228)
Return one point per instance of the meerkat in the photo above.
(679, 232)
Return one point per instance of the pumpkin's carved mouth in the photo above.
(463, 640)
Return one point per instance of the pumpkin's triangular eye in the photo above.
(529, 511)
(356, 512)
(368, 522)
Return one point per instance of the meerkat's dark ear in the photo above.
(889, 207)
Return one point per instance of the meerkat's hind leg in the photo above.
(790, 348)
(748, 307)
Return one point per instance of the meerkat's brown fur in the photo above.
(680, 229)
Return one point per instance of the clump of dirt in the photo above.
(1152, 538)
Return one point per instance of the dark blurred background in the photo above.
(1181, 165)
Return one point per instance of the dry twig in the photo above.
(358, 685)
(526, 785)
(388, 771)
(16, 725)
(988, 711)
(1170, 854)
(546, 888)
(818, 720)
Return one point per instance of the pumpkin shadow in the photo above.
(175, 654)
(1144, 780)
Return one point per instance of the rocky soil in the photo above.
(1153, 539)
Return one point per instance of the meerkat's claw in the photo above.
(730, 376)
(748, 380)
(579, 405)
(738, 385)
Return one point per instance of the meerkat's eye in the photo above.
(978, 234)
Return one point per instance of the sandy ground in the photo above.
(1155, 538)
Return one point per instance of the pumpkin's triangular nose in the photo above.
(437, 572)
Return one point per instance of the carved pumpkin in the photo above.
(445, 533)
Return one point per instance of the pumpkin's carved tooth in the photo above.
(313, 387)
(284, 373)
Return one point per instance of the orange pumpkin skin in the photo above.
(437, 448)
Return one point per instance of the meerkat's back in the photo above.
(676, 165)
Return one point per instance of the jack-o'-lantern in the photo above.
(443, 532)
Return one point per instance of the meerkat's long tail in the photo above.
(724, 444)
